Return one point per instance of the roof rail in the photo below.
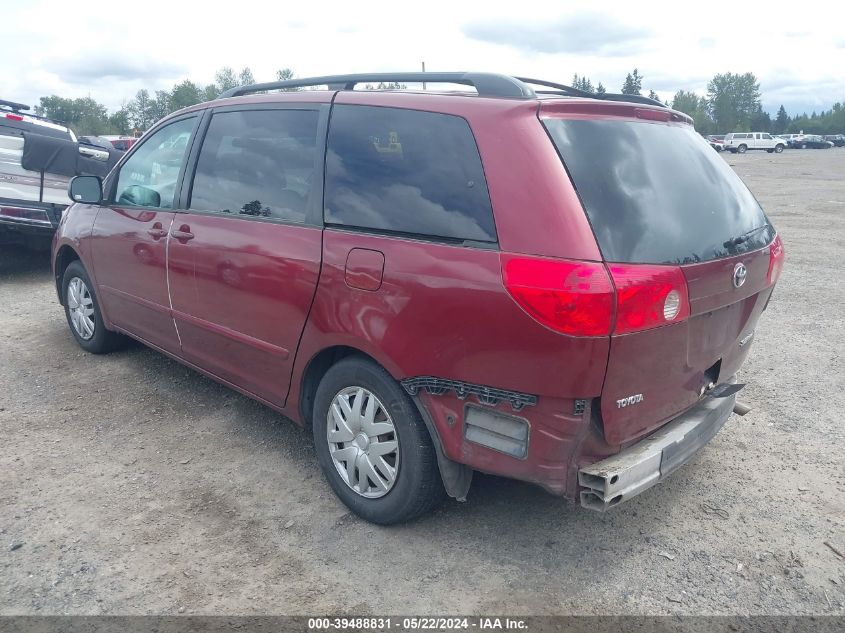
(487, 84)
(575, 92)
(13, 106)
(613, 96)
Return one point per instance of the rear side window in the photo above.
(657, 193)
(257, 163)
(406, 172)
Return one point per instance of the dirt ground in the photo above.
(132, 485)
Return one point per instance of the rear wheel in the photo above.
(770, 151)
(83, 312)
(742, 149)
(373, 446)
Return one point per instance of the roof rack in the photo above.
(577, 92)
(613, 96)
(487, 84)
(15, 107)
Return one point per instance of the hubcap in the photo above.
(81, 308)
(362, 442)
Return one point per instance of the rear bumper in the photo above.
(618, 478)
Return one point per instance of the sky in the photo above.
(110, 49)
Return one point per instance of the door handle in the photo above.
(157, 231)
(183, 234)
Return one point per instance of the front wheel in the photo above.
(742, 149)
(83, 312)
(778, 149)
(373, 446)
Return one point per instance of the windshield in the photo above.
(657, 193)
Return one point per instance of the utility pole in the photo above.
(423, 69)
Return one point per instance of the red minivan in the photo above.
(558, 287)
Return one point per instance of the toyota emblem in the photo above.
(740, 273)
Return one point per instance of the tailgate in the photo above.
(673, 222)
(654, 375)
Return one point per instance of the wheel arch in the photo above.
(314, 371)
(456, 477)
(64, 256)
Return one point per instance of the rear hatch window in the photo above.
(657, 193)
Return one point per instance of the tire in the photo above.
(742, 149)
(778, 148)
(769, 151)
(417, 488)
(80, 301)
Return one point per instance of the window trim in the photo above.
(314, 212)
(110, 185)
(423, 237)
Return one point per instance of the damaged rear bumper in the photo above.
(618, 478)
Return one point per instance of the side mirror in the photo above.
(86, 189)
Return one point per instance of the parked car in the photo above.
(814, 141)
(716, 142)
(372, 265)
(741, 142)
(838, 140)
(793, 141)
(123, 143)
(37, 158)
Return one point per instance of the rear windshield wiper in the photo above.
(736, 241)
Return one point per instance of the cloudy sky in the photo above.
(110, 49)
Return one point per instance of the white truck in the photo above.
(38, 157)
(741, 142)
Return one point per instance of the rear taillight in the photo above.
(14, 117)
(571, 297)
(776, 257)
(648, 296)
(578, 298)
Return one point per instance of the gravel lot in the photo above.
(133, 485)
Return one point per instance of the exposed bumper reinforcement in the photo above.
(618, 478)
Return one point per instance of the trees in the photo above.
(225, 79)
(781, 121)
(185, 94)
(600, 89)
(582, 83)
(633, 84)
(246, 78)
(285, 74)
(87, 117)
(732, 101)
(84, 115)
(653, 95)
(695, 106)
(139, 111)
(761, 121)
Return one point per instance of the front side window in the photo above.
(149, 177)
(406, 172)
(258, 163)
(767, 136)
